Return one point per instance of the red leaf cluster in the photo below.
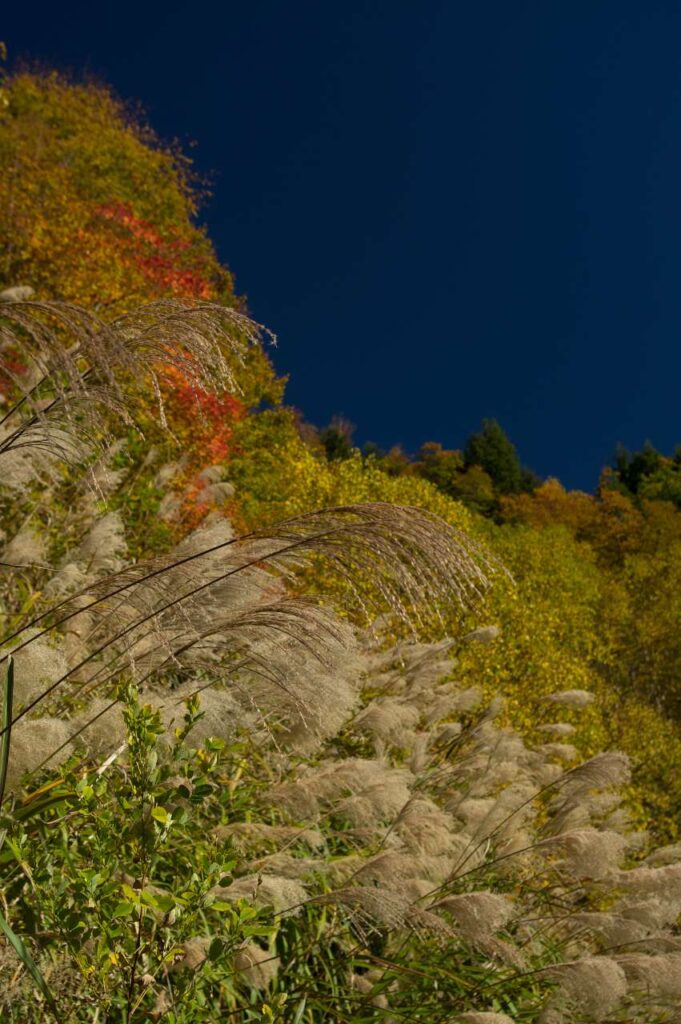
(162, 260)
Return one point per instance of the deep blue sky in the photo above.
(446, 210)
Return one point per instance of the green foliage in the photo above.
(29, 964)
(568, 624)
(648, 474)
(277, 475)
(160, 942)
(119, 935)
(631, 469)
(336, 439)
(487, 469)
(491, 449)
(566, 621)
(446, 470)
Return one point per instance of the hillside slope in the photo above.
(312, 765)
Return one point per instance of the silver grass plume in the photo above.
(253, 834)
(559, 729)
(664, 855)
(365, 984)
(656, 976)
(373, 909)
(193, 954)
(610, 768)
(255, 965)
(389, 720)
(559, 751)
(286, 865)
(586, 853)
(27, 547)
(226, 601)
(594, 986)
(393, 866)
(573, 796)
(285, 895)
(663, 882)
(426, 829)
(613, 929)
(36, 742)
(482, 635)
(478, 916)
(650, 910)
(77, 365)
(362, 791)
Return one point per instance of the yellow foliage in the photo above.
(279, 475)
(563, 617)
(93, 209)
(561, 629)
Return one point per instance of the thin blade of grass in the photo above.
(29, 963)
(15, 942)
(7, 702)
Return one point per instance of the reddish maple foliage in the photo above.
(211, 418)
(10, 368)
(204, 423)
(158, 257)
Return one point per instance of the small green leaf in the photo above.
(246, 912)
(221, 905)
(123, 910)
(262, 931)
(160, 814)
(165, 902)
(203, 790)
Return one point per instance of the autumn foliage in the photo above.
(97, 210)
(342, 826)
(94, 208)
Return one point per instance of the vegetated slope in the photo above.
(302, 821)
(94, 208)
(371, 787)
(596, 596)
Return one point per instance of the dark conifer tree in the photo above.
(492, 450)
